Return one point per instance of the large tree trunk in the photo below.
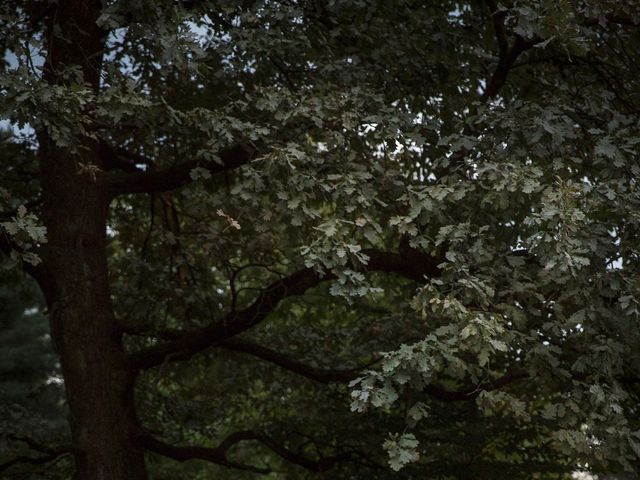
(99, 385)
(98, 381)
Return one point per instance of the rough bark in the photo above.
(99, 384)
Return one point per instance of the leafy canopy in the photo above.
(492, 146)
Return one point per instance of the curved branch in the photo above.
(320, 465)
(497, 17)
(344, 376)
(50, 454)
(218, 455)
(171, 178)
(118, 158)
(31, 460)
(413, 265)
(507, 55)
(291, 364)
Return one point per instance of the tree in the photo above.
(203, 188)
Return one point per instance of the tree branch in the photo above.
(472, 392)
(50, 454)
(497, 17)
(118, 158)
(31, 460)
(344, 376)
(414, 265)
(218, 455)
(507, 56)
(320, 465)
(177, 176)
(291, 364)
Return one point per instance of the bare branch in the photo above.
(414, 266)
(291, 364)
(37, 446)
(218, 455)
(344, 376)
(30, 460)
(497, 18)
(118, 158)
(320, 465)
(232, 324)
(50, 454)
(177, 176)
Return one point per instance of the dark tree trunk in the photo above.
(99, 383)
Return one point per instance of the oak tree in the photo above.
(382, 238)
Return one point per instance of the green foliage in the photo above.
(31, 389)
(375, 126)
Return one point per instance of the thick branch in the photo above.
(232, 324)
(118, 158)
(414, 265)
(177, 176)
(343, 376)
(497, 17)
(321, 465)
(49, 454)
(505, 63)
(218, 455)
(507, 55)
(30, 460)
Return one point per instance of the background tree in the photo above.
(231, 209)
(31, 392)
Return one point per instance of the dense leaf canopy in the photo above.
(365, 238)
